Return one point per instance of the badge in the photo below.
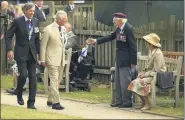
(123, 38)
(36, 29)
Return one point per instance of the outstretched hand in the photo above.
(90, 41)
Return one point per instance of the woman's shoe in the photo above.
(146, 107)
(139, 107)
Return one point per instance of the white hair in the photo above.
(123, 20)
(60, 14)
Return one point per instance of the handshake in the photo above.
(91, 41)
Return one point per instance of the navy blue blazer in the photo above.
(22, 43)
(126, 50)
(39, 15)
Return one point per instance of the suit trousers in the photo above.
(27, 68)
(61, 71)
(54, 75)
(122, 80)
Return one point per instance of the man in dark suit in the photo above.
(26, 51)
(71, 6)
(126, 58)
(40, 13)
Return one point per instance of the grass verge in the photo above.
(12, 112)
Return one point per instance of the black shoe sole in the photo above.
(57, 108)
(125, 106)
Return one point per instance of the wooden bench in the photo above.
(173, 65)
(175, 55)
(65, 75)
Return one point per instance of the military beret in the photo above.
(120, 15)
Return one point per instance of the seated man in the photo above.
(71, 37)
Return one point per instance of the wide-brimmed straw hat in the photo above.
(153, 39)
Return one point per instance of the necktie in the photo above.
(59, 28)
(29, 28)
(28, 22)
(119, 30)
(118, 34)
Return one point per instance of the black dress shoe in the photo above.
(20, 101)
(12, 91)
(31, 107)
(114, 105)
(125, 106)
(57, 106)
(49, 104)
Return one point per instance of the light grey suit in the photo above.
(72, 40)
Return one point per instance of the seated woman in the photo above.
(142, 84)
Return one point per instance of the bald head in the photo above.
(68, 27)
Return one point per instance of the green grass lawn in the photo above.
(102, 95)
(166, 108)
(12, 112)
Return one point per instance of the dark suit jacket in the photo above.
(68, 8)
(39, 15)
(126, 51)
(23, 44)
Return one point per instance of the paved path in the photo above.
(84, 110)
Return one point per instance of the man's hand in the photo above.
(90, 41)
(43, 64)
(10, 55)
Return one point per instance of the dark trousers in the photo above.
(27, 68)
(122, 80)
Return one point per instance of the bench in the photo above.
(173, 65)
(175, 55)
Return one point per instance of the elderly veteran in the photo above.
(142, 84)
(126, 58)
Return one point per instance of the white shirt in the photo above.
(121, 31)
(30, 26)
(72, 6)
(26, 18)
(63, 34)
